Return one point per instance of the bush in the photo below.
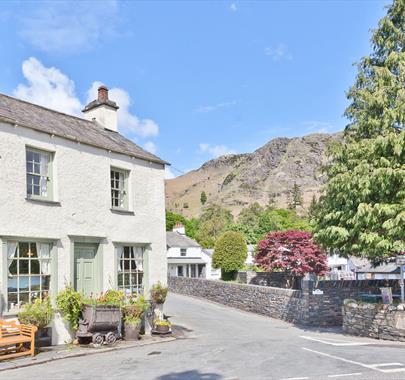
(70, 303)
(39, 313)
(230, 254)
(293, 252)
(134, 311)
(158, 293)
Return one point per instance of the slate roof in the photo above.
(364, 266)
(175, 239)
(70, 127)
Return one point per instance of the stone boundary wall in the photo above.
(278, 303)
(304, 307)
(374, 320)
(326, 309)
(274, 279)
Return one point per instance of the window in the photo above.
(180, 271)
(183, 251)
(119, 196)
(29, 272)
(39, 173)
(130, 269)
(193, 272)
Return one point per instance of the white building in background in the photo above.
(186, 258)
(357, 268)
(79, 204)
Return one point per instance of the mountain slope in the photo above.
(236, 181)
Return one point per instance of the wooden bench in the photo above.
(12, 339)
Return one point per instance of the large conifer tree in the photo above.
(362, 210)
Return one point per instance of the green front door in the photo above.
(87, 276)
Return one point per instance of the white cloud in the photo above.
(150, 147)
(127, 122)
(168, 173)
(215, 150)
(233, 7)
(278, 53)
(48, 87)
(67, 27)
(205, 109)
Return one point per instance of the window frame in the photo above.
(183, 252)
(125, 190)
(49, 177)
(139, 287)
(52, 272)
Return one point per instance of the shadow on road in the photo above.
(190, 375)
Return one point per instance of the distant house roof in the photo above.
(364, 266)
(73, 128)
(208, 251)
(175, 239)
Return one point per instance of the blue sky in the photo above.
(194, 79)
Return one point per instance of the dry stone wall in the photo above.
(274, 302)
(374, 320)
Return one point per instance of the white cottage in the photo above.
(186, 258)
(79, 204)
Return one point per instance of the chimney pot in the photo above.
(102, 94)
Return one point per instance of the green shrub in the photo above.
(230, 254)
(158, 293)
(39, 313)
(134, 311)
(69, 303)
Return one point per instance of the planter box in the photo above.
(43, 337)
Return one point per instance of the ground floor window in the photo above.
(180, 272)
(29, 272)
(130, 269)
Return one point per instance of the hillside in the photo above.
(238, 180)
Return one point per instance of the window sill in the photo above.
(122, 211)
(43, 201)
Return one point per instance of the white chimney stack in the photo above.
(179, 228)
(102, 110)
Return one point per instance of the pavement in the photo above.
(221, 343)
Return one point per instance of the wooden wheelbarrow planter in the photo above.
(13, 338)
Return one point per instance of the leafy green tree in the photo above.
(280, 220)
(191, 225)
(313, 208)
(362, 210)
(248, 232)
(294, 197)
(203, 198)
(250, 215)
(229, 254)
(213, 222)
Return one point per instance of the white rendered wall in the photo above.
(82, 186)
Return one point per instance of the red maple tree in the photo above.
(293, 252)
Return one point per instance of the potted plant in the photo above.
(70, 303)
(39, 313)
(133, 314)
(161, 326)
(158, 295)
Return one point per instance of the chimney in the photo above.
(179, 228)
(102, 110)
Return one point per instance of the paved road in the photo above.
(225, 344)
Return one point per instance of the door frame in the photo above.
(96, 241)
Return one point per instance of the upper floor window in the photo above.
(183, 251)
(119, 188)
(39, 173)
